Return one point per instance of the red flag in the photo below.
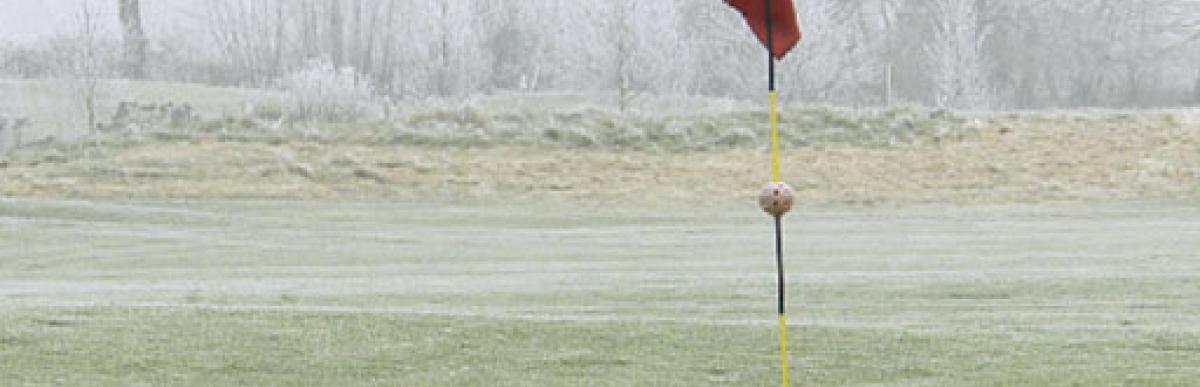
(784, 27)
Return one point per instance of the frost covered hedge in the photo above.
(320, 91)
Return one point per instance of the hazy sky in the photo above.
(26, 20)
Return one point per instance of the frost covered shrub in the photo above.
(321, 91)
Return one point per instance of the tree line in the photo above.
(961, 54)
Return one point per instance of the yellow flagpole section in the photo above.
(774, 137)
(783, 352)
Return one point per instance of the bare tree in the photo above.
(87, 66)
(955, 52)
(336, 28)
(623, 47)
(973, 54)
(134, 59)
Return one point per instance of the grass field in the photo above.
(326, 292)
(536, 240)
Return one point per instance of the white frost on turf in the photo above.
(985, 268)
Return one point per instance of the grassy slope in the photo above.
(285, 293)
(542, 146)
(1026, 163)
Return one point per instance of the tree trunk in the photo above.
(336, 42)
(444, 71)
(624, 53)
(134, 39)
(278, 43)
(87, 68)
(1196, 88)
(368, 55)
(356, 37)
(309, 33)
(386, 77)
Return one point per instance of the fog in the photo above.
(972, 55)
(28, 21)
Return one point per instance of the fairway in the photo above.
(600, 193)
(208, 292)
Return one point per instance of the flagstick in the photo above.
(783, 352)
(772, 98)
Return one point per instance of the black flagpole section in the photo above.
(779, 258)
(770, 49)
